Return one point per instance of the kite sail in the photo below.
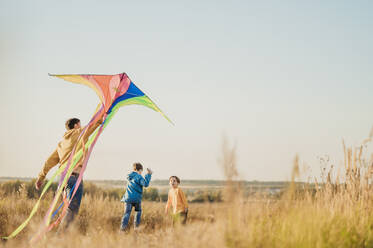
(114, 91)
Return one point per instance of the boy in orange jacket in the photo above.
(177, 200)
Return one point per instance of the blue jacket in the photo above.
(135, 184)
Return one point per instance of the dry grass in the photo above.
(337, 212)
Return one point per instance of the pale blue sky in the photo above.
(277, 77)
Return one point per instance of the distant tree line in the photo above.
(27, 189)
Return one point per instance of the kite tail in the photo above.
(48, 216)
(75, 187)
(66, 204)
(68, 171)
(35, 208)
(61, 169)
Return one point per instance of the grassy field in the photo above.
(336, 212)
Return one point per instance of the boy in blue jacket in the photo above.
(133, 195)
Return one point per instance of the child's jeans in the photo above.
(127, 213)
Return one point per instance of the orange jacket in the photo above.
(176, 200)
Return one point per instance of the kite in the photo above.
(114, 92)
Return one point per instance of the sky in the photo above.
(276, 78)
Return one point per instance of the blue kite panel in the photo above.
(132, 91)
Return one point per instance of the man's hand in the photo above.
(38, 184)
(166, 211)
(149, 171)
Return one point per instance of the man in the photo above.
(61, 155)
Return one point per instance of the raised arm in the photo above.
(91, 129)
(145, 181)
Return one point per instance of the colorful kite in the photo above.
(114, 92)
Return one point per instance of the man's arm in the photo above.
(92, 128)
(52, 161)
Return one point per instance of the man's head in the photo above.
(174, 181)
(138, 167)
(72, 123)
